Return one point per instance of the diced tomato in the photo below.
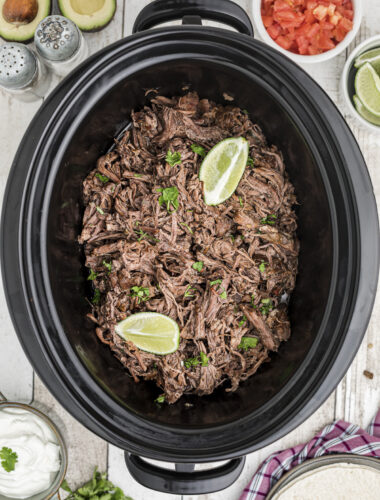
(307, 27)
(320, 12)
(267, 20)
(274, 30)
(284, 42)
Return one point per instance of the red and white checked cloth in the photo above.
(338, 437)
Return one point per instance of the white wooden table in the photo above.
(356, 399)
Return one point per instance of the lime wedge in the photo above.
(372, 57)
(367, 115)
(222, 169)
(367, 85)
(151, 332)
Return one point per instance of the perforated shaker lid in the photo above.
(18, 65)
(57, 38)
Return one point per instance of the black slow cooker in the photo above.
(43, 265)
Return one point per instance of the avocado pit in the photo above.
(20, 12)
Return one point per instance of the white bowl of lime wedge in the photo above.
(360, 84)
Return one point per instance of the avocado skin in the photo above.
(28, 37)
(62, 10)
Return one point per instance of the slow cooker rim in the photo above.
(181, 33)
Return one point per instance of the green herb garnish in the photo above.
(215, 282)
(8, 459)
(200, 150)
(202, 360)
(141, 292)
(262, 267)
(187, 226)
(96, 297)
(92, 275)
(173, 158)
(160, 399)
(223, 295)
(188, 291)
(233, 238)
(108, 266)
(250, 161)
(141, 235)
(100, 210)
(266, 306)
(242, 321)
(247, 343)
(169, 197)
(98, 488)
(270, 219)
(137, 175)
(102, 178)
(241, 201)
(198, 266)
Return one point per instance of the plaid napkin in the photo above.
(338, 437)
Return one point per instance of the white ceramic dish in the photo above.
(347, 81)
(261, 30)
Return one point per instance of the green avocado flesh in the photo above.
(23, 32)
(88, 15)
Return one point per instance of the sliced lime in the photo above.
(372, 57)
(222, 169)
(151, 332)
(367, 85)
(367, 115)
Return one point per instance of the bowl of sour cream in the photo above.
(33, 455)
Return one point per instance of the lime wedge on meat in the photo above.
(222, 169)
(372, 57)
(367, 115)
(151, 332)
(367, 86)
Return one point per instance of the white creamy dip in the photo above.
(37, 450)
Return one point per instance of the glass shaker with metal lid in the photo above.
(60, 42)
(21, 72)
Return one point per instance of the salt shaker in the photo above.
(61, 44)
(21, 72)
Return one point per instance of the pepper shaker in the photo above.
(21, 72)
(60, 42)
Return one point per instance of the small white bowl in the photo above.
(358, 13)
(348, 77)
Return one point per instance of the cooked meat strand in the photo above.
(247, 245)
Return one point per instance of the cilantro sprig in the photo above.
(9, 458)
(99, 488)
(140, 292)
(200, 150)
(198, 266)
(266, 306)
(202, 360)
(92, 275)
(247, 343)
(169, 198)
(173, 158)
(223, 293)
(102, 178)
(270, 219)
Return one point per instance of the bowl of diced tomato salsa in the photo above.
(308, 30)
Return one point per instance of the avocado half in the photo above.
(88, 15)
(23, 32)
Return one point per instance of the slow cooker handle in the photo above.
(183, 481)
(193, 11)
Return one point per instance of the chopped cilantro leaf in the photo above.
(204, 359)
(96, 297)
(198, 266)
(160, 399)
(247, 343)
(241, 201)
(92, 275)
(100, 210)
(262, 267)
(200, 150)
(140, 292)
(173, 158)
(187, 227)
(242, 321)
(169, 198)
(188, 291)
(270, 219)
(102, 178)
(8, 459)
(108, 266)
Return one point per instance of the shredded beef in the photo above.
(248, 243)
